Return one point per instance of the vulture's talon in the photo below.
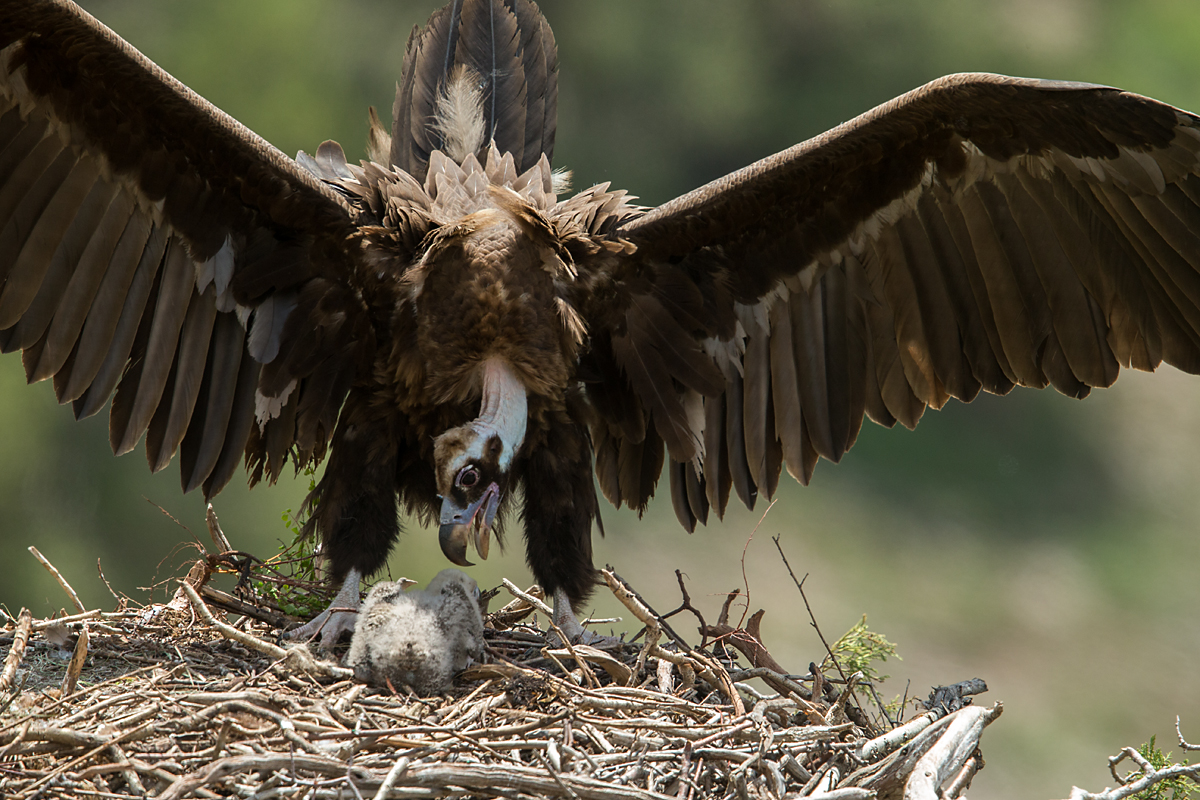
(336, 620)
(566, 621)
(329, 625)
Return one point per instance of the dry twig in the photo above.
(45, 562)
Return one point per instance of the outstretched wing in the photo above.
(152, 246)
(977, 233)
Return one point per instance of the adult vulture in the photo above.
(446, 329)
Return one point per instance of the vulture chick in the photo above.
(442, 329)
(419, 638)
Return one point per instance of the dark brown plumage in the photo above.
(445, 330)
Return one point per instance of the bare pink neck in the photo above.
(504, 410)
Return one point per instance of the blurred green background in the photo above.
(1043, 544)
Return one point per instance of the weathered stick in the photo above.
(75, 668)
(58, 577)
(894, 738)
(214, 530)
(950, 752)
(17, 651)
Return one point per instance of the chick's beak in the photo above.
(460, 524)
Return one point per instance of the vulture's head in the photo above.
(472, 463)
(472, 474)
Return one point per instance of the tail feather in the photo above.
(489, 43)
(509, 45)
(541, 80)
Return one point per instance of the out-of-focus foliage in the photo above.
(1043, 544)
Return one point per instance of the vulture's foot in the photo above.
(337, 619)
(569, 624)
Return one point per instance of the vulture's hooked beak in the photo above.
(462, 524)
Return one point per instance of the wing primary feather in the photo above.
(857, 365)
(280, 434)
(756, 401)
(104, 252)
(696, 495)
(174, 295)
(1169, 239)
(809, 331)
(1022, 329)
(941, 322)
(652, 465)
(1160, 328)
(735, 440)
(975, 322)
(1053, 361)
(26, 193)
(955, 237)
(914, 342)
(241, 422)
(193, 438)
(205, 437)
(717, 478)
(1114, 276)
(191, 357)
(785, 388)
(122, 402)
(808, 456)
(37, 250)
(899, 400)
(629, 469)
(1180, 336)
(834, 300)
(871, 318)
(773, 455)
(112, 323)
(74, 246)
(22, 162)
(679, 496)
(158, 423)
(608, 474)
(1086, 353)
(12, 125)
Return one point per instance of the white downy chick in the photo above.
(419, 638)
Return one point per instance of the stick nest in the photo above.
(172, 701)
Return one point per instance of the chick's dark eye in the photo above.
(468, 477)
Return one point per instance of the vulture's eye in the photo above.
(468, 477)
